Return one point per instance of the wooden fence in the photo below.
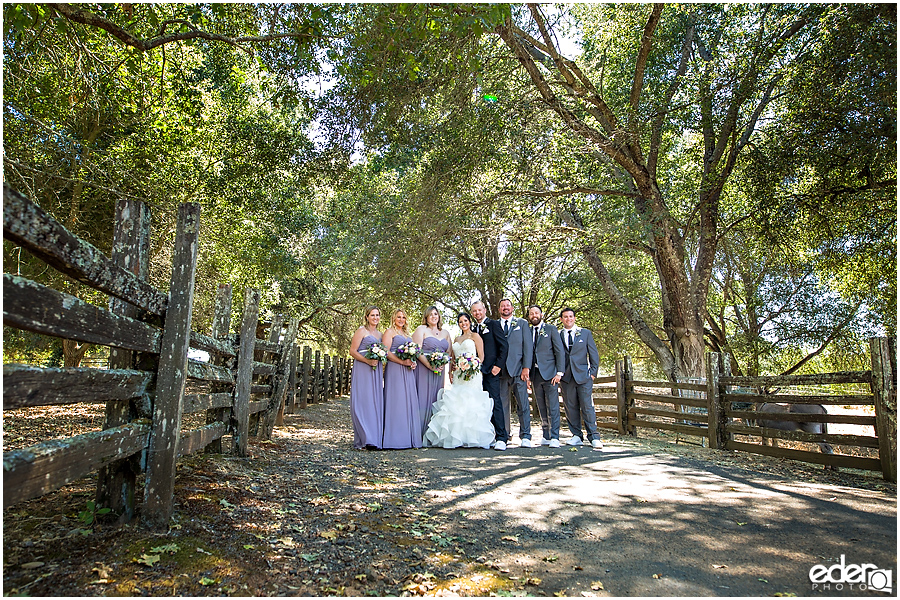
(150, 384)
(716, 409)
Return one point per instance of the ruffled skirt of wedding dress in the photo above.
(462, 417)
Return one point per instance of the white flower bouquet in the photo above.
(376, 351)
(438, 360)
(467, 364)
(408, 351)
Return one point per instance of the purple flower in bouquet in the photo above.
(378, 352)
(467, 364)
(438, 360)
(408, 351)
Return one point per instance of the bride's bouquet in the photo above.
(467, 364)
(378, 352)
(438, 360)
(408, 351)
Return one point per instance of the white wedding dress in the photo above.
(462, 412)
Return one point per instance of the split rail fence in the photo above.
(718, 408)
(151, 383)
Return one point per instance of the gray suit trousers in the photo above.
(580, 408)
(546, 395)
(514, 392)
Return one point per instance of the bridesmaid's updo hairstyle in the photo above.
(369, 310)
(466, 315)
(394, 320)
(428, 312)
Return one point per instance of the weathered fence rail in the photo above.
(150, 384)
(716, 410)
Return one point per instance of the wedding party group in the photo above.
(398, 398)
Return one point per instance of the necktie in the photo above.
(506, 326)
(535, 336)
(570, 340)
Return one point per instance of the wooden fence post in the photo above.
(219, 329)
(292, 395)
(304, 377)
(244, 376)
(624, 374)
(166, 428)
(117, 482)
(718, 436)
(315, 396)
(885, 392)
(280, 380)
(348, 374)
(326, 371)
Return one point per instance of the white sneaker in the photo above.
(554, 443)
(526, 443)
(597, 444)
(574, 441)
(500, 445)
(545, 442)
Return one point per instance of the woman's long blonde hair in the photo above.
(394, 317)
(428, 312)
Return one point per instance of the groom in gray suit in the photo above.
(547, 368)
(582, 362)
(514, 387)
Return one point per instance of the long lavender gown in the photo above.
(427, 383)
(367, 399)
(402, 423)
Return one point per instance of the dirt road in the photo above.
(310, 516)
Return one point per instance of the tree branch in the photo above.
(566, 192)
(84, 17)
(827, 341)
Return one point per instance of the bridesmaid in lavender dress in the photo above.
(402, 423)
(366, 387)
(431, 337)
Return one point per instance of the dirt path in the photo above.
(309, 516)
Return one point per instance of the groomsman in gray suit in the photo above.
(547, 368)
(582, 362)
(513, 386)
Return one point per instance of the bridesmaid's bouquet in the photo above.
(377, 352)
(467, 364)
(438, 360)
(408, 351)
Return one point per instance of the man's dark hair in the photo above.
(565, 310)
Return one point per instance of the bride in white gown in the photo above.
(462, 412)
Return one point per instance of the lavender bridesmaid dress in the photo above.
(367, 399)
(402, 423)
(427, 383)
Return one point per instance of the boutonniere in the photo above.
(483, 328)
(541, 332)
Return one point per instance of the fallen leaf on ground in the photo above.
(147, 559)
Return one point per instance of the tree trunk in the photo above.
(73, 352)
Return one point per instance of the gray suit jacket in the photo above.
(549, 353)
(584, 360)
(519, 340)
